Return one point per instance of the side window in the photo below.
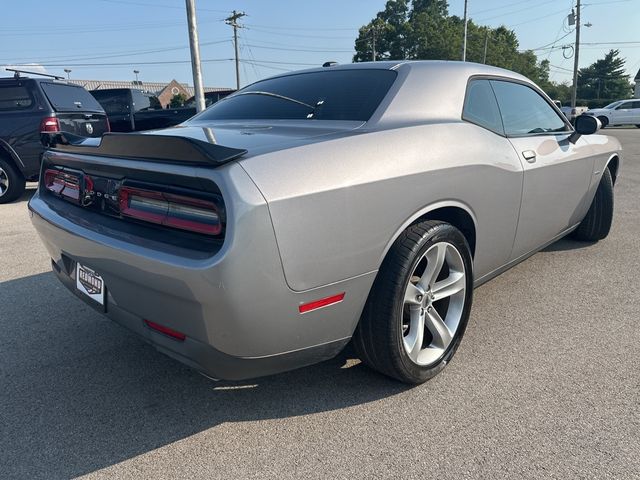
(141, 101)
(524, 111)
(480, 106)
(624, 106)
(15, 97)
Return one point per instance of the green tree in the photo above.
(177, 100)
(605, 78)
(423, 29)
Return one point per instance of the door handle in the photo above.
(529, 156)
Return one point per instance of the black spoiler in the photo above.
(157, 148)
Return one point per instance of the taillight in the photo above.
(49, 124)
(171, 210)
(66, 185)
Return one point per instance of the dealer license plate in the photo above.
(90, 283)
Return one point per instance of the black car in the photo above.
(30, 106)
(132, 110)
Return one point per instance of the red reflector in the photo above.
(50, 124)
(166, 330)
(323, 302)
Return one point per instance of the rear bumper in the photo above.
(204, 357)
(239, 316)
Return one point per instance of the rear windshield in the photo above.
(330, 95)
(112, 101)
(15, 97)
(68, 98)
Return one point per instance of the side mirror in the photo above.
(584, 125)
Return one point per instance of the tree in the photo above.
(423, 29)
(605, 78)
(177, 100)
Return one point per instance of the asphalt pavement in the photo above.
(546, 383)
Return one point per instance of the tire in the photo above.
(390, 323)
(12, 182)
(604, 121)
(597, 222)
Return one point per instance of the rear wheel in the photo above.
(418, 308)
(12, 182)
(604, 121)
(597, 222)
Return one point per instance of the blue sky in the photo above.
(278, 35)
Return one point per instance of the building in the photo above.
(164, 91)
(637, 80)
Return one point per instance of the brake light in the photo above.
(177, 211)
(63, 184)
(166, 330)
(49, 124)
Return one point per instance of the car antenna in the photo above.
(17, 73)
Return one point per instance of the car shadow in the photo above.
(565, 244)
(79, 393)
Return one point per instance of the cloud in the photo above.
(30, 67)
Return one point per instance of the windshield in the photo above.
(612, 105)
(70, 98)
(326, 95)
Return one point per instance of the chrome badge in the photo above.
(89, 128)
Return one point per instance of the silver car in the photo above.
(358, 203)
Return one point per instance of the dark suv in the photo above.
(29, 106)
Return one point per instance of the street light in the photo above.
(136, 72)
(67, 71)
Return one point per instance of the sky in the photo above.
(108, 39)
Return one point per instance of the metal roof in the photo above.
(152, 87)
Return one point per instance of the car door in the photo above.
(635, 112)
(622, 114)
(557, 172)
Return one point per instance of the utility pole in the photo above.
(233, 21)
(194, 46)
(486, 44)
(574, 90)
(464, 39)
(373, 44)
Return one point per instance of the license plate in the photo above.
(90, 283)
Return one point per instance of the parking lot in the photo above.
(545, 384)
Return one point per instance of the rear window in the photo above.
(67, 98)
(330, 95)
(112, 102)
(15, 97)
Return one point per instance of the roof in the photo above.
(153, 87)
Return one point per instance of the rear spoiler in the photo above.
(157, 148)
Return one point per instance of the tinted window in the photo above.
(141, 101)
(524, 111)
(113, 102)
(69, 98)
(344, 95)
(15, 97)
(481, 107)
(635, 105)
(623, 106)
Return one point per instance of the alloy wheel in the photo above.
(433, 303)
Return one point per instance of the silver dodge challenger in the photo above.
(350, 203)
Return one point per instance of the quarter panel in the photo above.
(337, 205)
